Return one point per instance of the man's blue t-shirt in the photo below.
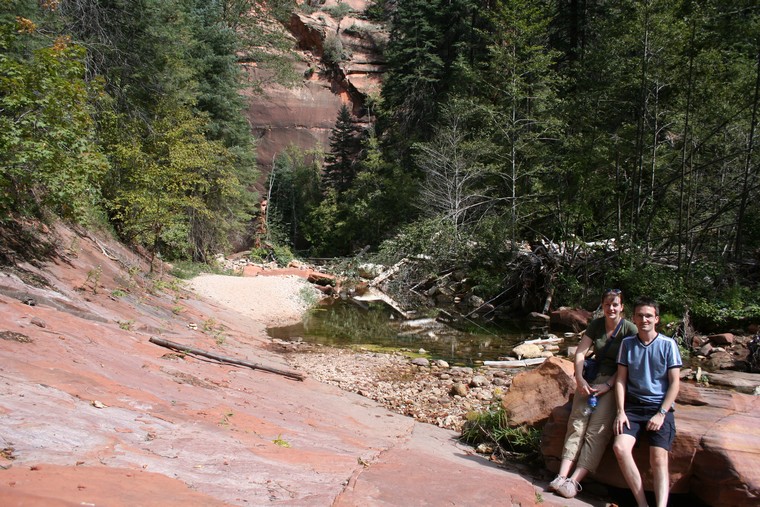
(648, 366)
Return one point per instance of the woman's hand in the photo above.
(601, 389)
(586, 388)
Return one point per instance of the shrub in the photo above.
(521, 444)
(332, 53)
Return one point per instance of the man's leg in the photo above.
(623, 448)
(658, 459)
(660, 443)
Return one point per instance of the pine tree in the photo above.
(340, 170)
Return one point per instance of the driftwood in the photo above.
(542, 341)
(387, 274)
(230, 360)
(517, 363)
(378, 295)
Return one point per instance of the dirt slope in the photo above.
(95, 414)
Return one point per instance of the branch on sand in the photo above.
(224, 359)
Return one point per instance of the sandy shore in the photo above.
(271, 300)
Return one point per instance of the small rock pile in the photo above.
(436, 394)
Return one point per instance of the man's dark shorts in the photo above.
(638, 417)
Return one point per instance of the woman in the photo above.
(588, 434)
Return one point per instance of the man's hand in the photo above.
(621, 421)
(655, 423)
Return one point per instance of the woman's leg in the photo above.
(598, 433)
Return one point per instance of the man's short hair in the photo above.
(647, 301)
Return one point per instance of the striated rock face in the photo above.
(305, 114)
(714, 456)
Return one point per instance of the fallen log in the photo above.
(517, 363)
(378, 295)
(542, 341)
(224, 359)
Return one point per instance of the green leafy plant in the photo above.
(308, 296)
(283, 255)
(93, 278)
(126, 325)
(259, 254)
(490, 427)
(333, 52)
(279, 441)
(226, 419)
(209, 325)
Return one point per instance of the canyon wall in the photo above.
(304, 114)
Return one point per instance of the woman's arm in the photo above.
(607, 386)
(580, 356)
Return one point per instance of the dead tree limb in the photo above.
(230, 360)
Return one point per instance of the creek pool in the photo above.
(344, 324)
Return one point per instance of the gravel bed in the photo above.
(435, 394)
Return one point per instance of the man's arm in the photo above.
(620, 387)
(674, 377)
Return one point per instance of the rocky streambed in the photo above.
(434, 393)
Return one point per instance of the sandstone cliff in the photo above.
(341, 63)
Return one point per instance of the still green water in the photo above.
(343, 324)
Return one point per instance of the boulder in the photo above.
(721, 339)
(714, 456)
(534, 393)
(720, 360)
(527, 351)
(743, 382)
(570, 318)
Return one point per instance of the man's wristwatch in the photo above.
(663, 411)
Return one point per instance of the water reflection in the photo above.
(344, 323)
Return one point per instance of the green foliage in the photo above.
(429, 237)
(378, 199)
(426, 39)
(332, 50)
(490, 427)
(379, 10)
(340, 170)
(294, 191)
(308, 296)
(282, 255)
(726, 310)
(48, 155)
(164, 181)
(338, 11)
(259, 254)
(185, 270)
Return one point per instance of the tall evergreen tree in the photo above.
(427, 37)
(340, 170)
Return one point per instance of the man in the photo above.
(646, 388)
